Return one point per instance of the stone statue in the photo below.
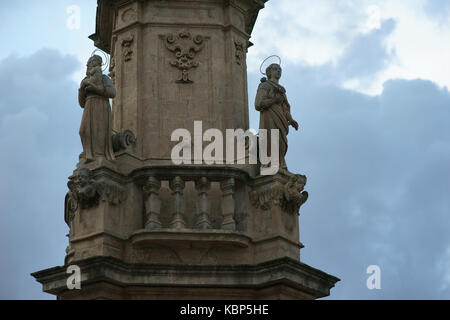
(94, 94)
(272, 103)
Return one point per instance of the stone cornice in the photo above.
(106, 10)
(285, 271)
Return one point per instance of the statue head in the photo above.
(84, 176)
(274, 71)
(94, 62)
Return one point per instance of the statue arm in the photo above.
(288, 112)
(81, 97)
(110, 89)
(263, 101)
(291, 120)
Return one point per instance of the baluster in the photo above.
(152, 203)
(228, 204)
(177, 185)
(203, 186)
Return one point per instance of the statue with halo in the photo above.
(96, 125)
(272, 103)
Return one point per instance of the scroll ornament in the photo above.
(185, 47)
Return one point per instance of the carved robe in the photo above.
(96, 124)
(274, 116)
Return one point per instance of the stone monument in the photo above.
(142, 227)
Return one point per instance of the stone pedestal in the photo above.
(143, 228)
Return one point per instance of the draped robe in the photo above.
(96, 124)
(275, 116)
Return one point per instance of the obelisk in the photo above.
(142, 227)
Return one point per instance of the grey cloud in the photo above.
(438, 9)
(367, 54)
(378, 180)
(39, 121)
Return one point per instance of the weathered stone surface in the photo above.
(86, 192)
(108, 278)
(124, 141)
(290, 196)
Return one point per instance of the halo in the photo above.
(262, 64)
(105, 63)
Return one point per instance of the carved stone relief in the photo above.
(129, 15)
(239, 51)
(127, 47)
(87, 192)
(124, 140)
(185, 48)
(294, 196)
(290, 196)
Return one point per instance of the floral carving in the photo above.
(239, 47)
(127, 47)
(185, 47)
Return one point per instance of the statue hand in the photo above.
(89, 87)
(94, 89)
(84, 83)
(294, 124)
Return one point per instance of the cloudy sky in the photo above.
(368, 82)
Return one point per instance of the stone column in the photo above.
(203, 186)
(177, 185)
(228, 205)
(152, 204)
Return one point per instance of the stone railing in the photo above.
(196, 198)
